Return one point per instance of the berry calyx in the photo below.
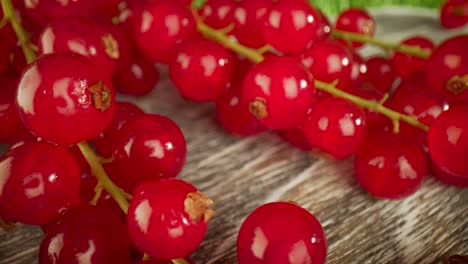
(281, 232)
(168, 219)
(63, 99)
(454, 13)
(279, 92)
(39, 182)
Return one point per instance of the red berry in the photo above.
(449, 178)
(369, 92)
(124, 111)
(454, 13)
(380, 73)
(389, 168)
(168, 219)
(356, 20)
(325, 28)
(82, 36)
(159, 26)
(202, 70)
(296, 137)
(151, 145)
(281, 232)
(358, 69)
(328, 61)
(45, 11)
(279, 92)
(62, 98)
(11, 125)
(291, 26)
(136, 78)
(38, 181)
(336, 127)
(249, 17)
(447, 69)
(413, 98)
(406, 65)
(448, 141)
(217, 13)
(86, 234)
(234, 115)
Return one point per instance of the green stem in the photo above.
(9, 15)
(180, 261)
(407, 49)
(101, 175)
(256, 57)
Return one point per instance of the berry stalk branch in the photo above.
(257, 57)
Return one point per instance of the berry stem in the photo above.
(330, 88)
(407, 49)
(99, 172)
(9, 15)
(179, 261)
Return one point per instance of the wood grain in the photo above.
(241, 174)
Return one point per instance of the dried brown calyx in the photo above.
(197, 206)
(258, 108)
(458, 84)
(100, 96)
(111, 47)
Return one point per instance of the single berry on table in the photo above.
(281, 232)
(168, 219)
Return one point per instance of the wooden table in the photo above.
(242, 174)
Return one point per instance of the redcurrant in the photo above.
(248, 18)
(380, 73)
(11, 125)
(296, 137)
(454, 13)
(406, 65)
(217, 13)
(136, 78)
(357, 21)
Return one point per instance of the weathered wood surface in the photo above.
(241, 174)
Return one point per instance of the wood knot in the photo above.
(258, 108)
(100, 96)
(458, 84)
(111, 46)
(197, 206)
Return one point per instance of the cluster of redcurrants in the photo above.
(88, 48)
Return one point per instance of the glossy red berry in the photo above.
(414, 98)
(281, 232)
(448, 178)
(136, 78)
(454, 13)
(249, 17)
(448, 141)
(86, 234)
(380, 73)
(234, 115)
(38, 181)
(151, 145)
(11, 125)
(336, 127)
(369, 92)
(63, 99)
(389, 168)
(296, 137)
(291, 26)
(45, 11)
(356, 20)
(202, 70)
(328, 61)
(105, 142)
(358, 70)
(159, 26)
(406, 65)
(168, 219)
(217, 13)
(447, 69)
(279, 92)
(82, 36)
